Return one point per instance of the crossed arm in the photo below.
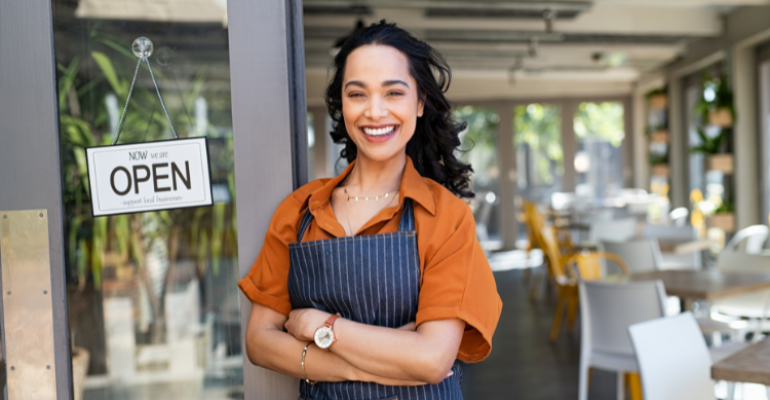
(403, 356)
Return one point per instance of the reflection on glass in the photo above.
(310, 146)
(479, 142)
(599, 131)
(152, 297)
(539, 155)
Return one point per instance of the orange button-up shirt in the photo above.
(455, 281)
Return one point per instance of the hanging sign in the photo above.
(151, 176)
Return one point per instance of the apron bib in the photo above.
(374, 280)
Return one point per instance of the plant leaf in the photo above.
(108, 70)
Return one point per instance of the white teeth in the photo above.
(379, 131)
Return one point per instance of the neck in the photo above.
(369, 177)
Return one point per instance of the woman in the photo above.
(372, 284)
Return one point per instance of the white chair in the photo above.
(607, 310)
(754, 305)
(619, 230)
(673, 235)
(641, 255)
(678, 216)
(755, 237)
(673, 359)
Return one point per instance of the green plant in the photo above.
(538, 126)
(725, 208)
(658, 158)
(656, 92)
(722, 97)
(709, 145)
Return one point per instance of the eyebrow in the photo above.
(386, 83)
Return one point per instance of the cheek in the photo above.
(407, 113)
(351, 112)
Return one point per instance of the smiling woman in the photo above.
(379, 266)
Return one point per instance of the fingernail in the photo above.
(450, 374)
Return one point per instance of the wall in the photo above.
(744, 28)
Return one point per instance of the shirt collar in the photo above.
(412, 186)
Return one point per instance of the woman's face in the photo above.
(380, 104)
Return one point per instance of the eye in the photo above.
(395, 93)
(354, 94)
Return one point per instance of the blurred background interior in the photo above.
(635, 128)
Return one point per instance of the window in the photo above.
(599, 131)
(539, 154)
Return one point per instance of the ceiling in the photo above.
(528, 48)
(498, 49)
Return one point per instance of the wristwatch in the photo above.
(324, 336)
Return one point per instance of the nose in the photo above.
(376, 109)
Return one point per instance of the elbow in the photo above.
(437, 369)
(253, 347)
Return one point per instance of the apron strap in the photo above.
(406, 224)
(306, 220)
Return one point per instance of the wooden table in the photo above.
(752, 365)
(706, 285)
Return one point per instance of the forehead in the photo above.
(376, 63)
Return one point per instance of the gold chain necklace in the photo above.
(348, 197)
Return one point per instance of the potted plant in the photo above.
(659, 164)
(723, 217)
(658, 98)
(711, 146)
(659, 136)
(716, 106)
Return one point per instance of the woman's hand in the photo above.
(303, 323)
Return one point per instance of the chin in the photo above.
(380, 156)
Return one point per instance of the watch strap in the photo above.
(330, 322)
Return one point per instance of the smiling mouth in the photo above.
(375, 132)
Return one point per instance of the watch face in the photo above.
(324, 337)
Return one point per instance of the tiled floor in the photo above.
(523, 364)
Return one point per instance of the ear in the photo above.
(420, 107)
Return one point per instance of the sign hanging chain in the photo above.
(142, 48)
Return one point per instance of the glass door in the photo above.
(152, 297)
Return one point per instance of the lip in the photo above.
(379, 139)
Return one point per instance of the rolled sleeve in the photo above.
(267, 280)
(457, 282)
(276, 301)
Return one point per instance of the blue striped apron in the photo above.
(373, 280)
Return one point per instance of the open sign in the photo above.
(150, 176)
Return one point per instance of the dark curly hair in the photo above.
(436, 136)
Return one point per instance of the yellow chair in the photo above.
(535, 223)
(586, 264)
